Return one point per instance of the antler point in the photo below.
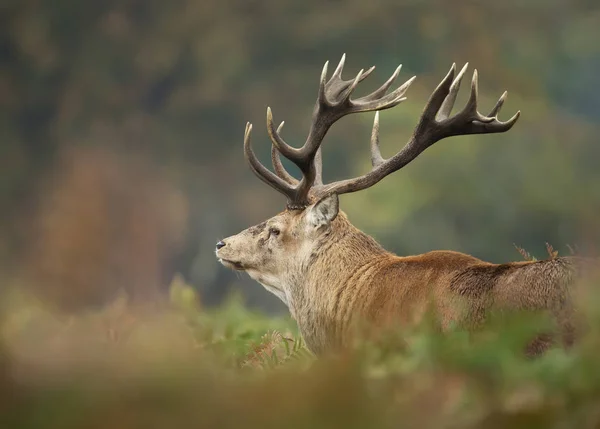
(464, 69)
(514, 119)
(475, 80)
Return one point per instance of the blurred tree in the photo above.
(176, 82)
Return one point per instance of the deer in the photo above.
(331, 275)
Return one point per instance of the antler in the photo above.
(435, 124)
(333, 102)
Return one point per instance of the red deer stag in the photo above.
(331, 275)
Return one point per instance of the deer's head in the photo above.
(274, 252)
(282, 247)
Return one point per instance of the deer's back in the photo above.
(461, 288)
(519, 285)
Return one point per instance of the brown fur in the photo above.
(334, 276)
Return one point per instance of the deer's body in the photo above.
(333, 277)
(351, 279)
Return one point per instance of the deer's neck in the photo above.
(322, 301)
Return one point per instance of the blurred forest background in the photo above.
(122, 123)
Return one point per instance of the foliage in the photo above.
(186, 366)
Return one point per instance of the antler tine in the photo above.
(318, 168)
(296, 155)
(376, 158)
(450, 99)
(279, 168)
(322, 98)
(498, 105)
(386, 102)
(435, 124)
(439, 95)
(337, 74)
(494, 126)
(261, 171)
(471, 108)
(380, 92)
(277, 165)
(346, 94)
(283, 173)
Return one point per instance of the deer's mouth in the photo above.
(234, 265)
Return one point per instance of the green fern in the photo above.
(274, 351)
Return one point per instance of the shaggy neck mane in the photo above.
(344, 247)
(316, 294)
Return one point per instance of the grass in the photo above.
(182, 366)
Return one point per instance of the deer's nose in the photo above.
(220, 244)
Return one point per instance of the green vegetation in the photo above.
(181, 365)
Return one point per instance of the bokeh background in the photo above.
(121, 125)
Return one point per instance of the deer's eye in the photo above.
(274, 231)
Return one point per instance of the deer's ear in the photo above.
(324, 211)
